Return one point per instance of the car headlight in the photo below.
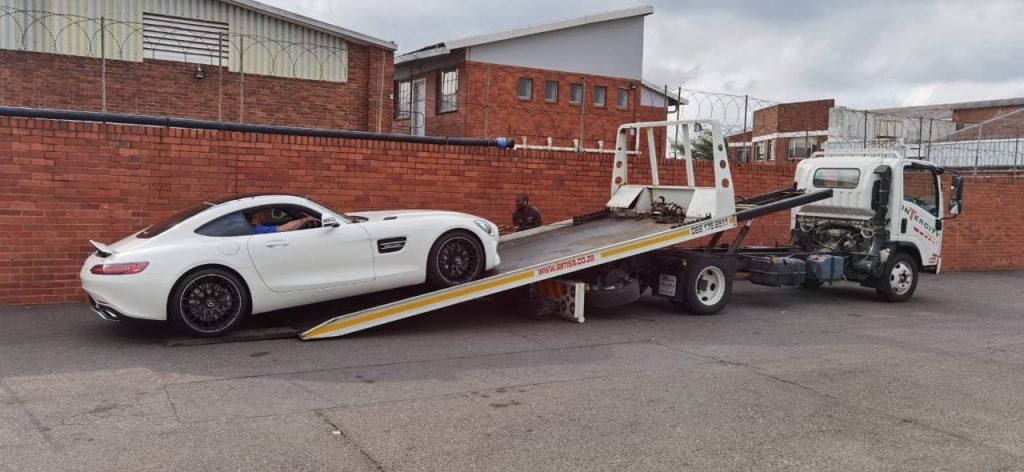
(485, 226)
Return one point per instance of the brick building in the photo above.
(964, 114)
(783, 132)
(225, 60)
(792, 131)
(577, 79)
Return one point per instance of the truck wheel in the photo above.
(708, 285)
(900, 281)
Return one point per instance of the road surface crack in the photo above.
(341, 432)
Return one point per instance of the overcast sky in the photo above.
(865, 54)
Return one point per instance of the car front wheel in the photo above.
(456, 258)
(208, 303)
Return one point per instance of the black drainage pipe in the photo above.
(120, 118)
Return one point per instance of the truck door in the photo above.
(920, 217)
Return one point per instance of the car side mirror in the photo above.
(330, 221)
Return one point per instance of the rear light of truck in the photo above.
(119, 269)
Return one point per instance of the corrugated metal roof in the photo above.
(448, 46)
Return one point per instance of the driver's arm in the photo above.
(294, 224)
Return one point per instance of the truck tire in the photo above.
(900, 279)
(708, 286)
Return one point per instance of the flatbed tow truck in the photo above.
(867, 216)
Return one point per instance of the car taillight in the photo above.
(119, 269)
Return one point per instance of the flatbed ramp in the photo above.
(545, 254)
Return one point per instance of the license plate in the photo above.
(667, 285)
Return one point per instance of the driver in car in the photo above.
(258, 217)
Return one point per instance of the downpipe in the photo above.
(169, 122)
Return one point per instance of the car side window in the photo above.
(232, 224)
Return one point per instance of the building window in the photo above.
(550, 91)
(802, 147)
(576, 94)
(600, 96)
(185, 40)
(771, 150)
(622, 99)
(743, 154)
(759, 157)
(403, 99)
(448, 84)
(525, 88)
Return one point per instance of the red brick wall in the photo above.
(978, 115)
(66, 182)
(166, 88)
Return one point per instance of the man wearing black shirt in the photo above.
(526, 216)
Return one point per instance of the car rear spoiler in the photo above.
(102, 250)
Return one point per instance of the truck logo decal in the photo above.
(567, 264)
(913, 216)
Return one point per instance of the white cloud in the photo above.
(866, 54)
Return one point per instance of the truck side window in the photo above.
(919, 189)
(836, 178)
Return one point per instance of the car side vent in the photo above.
(389, 218)
(390, 245)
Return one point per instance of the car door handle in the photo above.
(277, 242)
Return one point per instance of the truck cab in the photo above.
(885, 217)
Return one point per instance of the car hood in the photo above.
(406, 214)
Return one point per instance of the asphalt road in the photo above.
(784, 379)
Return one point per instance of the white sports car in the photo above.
(209, 266)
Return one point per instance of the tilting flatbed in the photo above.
(639, 219)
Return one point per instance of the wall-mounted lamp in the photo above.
(199, 74)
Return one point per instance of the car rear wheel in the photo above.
(457, 257)
(208, 303)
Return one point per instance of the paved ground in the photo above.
(835, 381)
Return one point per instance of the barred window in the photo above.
(449, 91)
(576, 94)
(403, 99)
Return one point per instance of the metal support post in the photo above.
(103, 63)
